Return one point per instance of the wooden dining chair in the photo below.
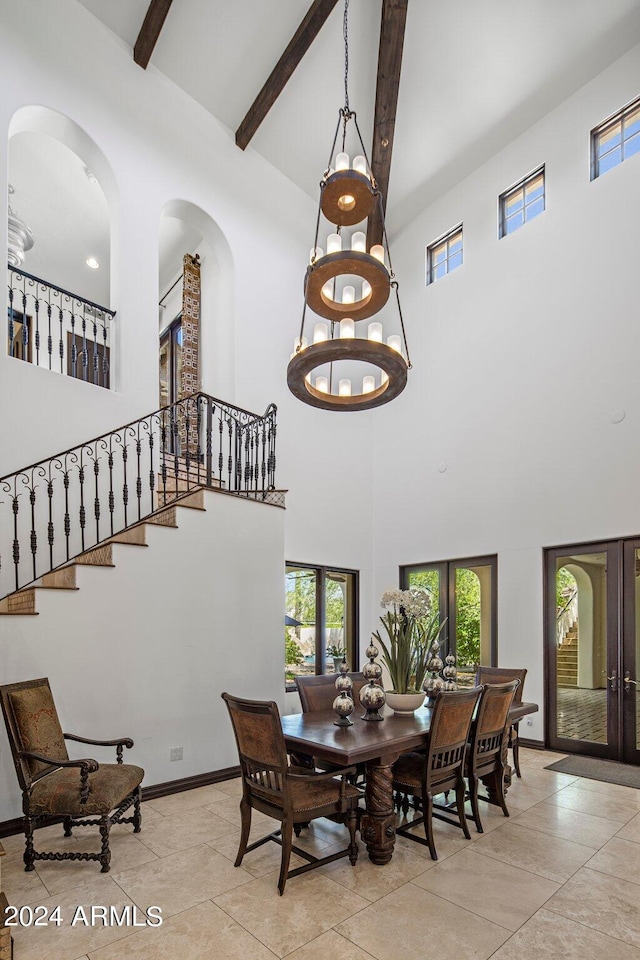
(441, 767)
(505, 675)
(290, 794)
(485, 756)
(318, 693)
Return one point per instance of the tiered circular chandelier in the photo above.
(346, 284)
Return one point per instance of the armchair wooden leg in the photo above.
(245, 813)
(68, 823)
(352, 824)
(28, 846)
(287, 838)
(105, 853)
(137, 813)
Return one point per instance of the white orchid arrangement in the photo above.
(412, 626)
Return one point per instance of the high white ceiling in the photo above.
(475, 74)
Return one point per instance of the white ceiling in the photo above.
(475, 74)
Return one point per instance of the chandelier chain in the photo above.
(345, 32)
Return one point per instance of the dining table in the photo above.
(377, 744)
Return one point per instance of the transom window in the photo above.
(615, 140)
(522, 202)
(321, 609)
(444, 255)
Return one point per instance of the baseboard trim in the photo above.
(10, 827)
(531, 744)
(189, 783)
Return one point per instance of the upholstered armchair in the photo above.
(80, 792)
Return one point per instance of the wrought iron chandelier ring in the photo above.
(347, 263)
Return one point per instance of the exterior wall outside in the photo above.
(520, 357)
(145, 649)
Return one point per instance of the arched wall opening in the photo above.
(185, 228)
(61, 191)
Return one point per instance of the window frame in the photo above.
(431, 247)
(446, 570)
(521, 185)
(617, 117)
(351, 631)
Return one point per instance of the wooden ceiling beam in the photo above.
(296, 49)
(394, 15)
(150, 31)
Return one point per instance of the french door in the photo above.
(465, 591)
(592, 648)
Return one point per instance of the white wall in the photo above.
(520, 357)
(145, 649)
(158, 147)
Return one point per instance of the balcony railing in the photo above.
(54, 510)
(53, 328)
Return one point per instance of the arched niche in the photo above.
(186, 228)
(65, 191)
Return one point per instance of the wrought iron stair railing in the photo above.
(55, 510)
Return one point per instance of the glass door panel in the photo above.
(339, 594)
(630, 690)
(465, 592)
(300, 621)
(582, 649)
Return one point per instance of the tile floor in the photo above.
(558, 879)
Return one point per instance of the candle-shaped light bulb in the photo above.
(342, 161)
(322, 384)
(320, 333)
(375, 331)
(377, 251)
(344, 388)
(368, 384)
(359, 242)
(347, 329)
(394, 342)
(384, 378)
(349, 294)
(334, 243)
(316, 253)
(327, 290)
(366, 289)
(302, 343)
(360, 165)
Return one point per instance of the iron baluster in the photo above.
(11, 330)
(50, 527)
(96, 502)
(95, 351)
(220, 443)
(231, 458)
(187, 440)
(209, 442)
(83, 515)
(49, 337)
(25, 327)
(15, 506)
(199, 435)
(163, 437)
(74, 349)
(111, 500)
(105, 361)
(37, 333)
(152, 477)
(61, 343)
(85, 352)
(67, 517)
(139, 475)
(125, 485)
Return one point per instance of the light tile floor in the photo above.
(558, 879)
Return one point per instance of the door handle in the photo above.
(614, 681)
(627, 681)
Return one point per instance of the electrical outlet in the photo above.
(175, 753)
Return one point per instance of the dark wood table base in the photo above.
(378, 823)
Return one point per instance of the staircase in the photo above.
(24, 602)
(567, 658)
(69, 510)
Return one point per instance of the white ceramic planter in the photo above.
(404, 703)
